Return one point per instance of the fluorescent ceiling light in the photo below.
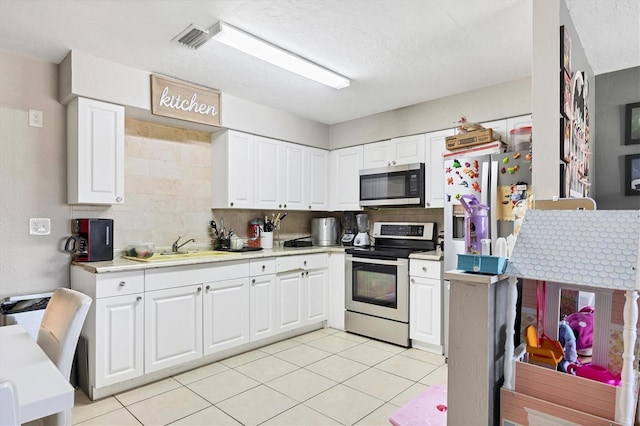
(245, 42)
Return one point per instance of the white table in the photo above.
(41, 388)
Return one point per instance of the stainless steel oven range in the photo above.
(377, 280)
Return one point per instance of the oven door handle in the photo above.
(377, 261)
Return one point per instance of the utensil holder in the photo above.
(266, 240)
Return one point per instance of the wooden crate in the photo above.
(468, 139)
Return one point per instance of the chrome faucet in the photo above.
(175, 247)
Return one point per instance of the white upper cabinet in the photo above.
(256, 172)
(409, 149)
(317, 182)
(499, 128)
(403, 150)
(434, 171)
(95, 152)
(266, 170)
(345, 166)
(379, 154)
(294, 173)
(232, 170)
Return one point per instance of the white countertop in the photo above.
(119, 264)
(436, 255)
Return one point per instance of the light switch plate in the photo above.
(39, 226)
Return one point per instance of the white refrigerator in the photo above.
(497, 179)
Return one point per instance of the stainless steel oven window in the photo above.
(375, 284)
(401, 310)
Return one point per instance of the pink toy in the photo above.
(594, 372)
(429, 408)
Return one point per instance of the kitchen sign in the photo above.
(184, 101)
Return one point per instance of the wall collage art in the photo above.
(575, 151)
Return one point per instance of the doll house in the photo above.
(595, 251)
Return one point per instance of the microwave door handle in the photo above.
(377, 261)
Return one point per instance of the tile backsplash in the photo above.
(168, 194)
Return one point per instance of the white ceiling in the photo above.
(396, 52)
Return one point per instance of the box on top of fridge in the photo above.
(464, 140)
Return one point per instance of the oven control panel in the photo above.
(404, 230)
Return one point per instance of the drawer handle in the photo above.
(138, 299)
(122, 283)
(208, 287)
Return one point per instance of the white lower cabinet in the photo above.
(289, 300)
(226, 314)
(426, 304)
(119, 353)
(263, 306)
(173, 326)
(302, 290)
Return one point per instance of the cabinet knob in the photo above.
(302, 274)
(122, 283)
(208, 287)
(199, 289)
(264, 267)
(309, 207)
(305, 263)
(424, 268)
(306, 273)
(253, 281)
(138, 299)
(285, 206)
(388, 164)
(393, 163)
(279, 206)
(231, 204)
(413, 280)
(119, 199)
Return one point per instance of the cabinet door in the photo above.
(317, 294)
(263, 306)
(95, 152)
(293, 176)
(379, 154)
(317, 174)
(240, 170)
(434, 167)
(265, 180)
(499, 128)
(173, 326)
(409, 149)
(226, 314)
(119, 339)
(345, 178)
(425, 317)
(289, 301)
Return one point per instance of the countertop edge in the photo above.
(123, 265)
(436, 255)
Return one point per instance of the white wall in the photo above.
(32, 177)
(489, 103)
(91, 77)
(615, 90)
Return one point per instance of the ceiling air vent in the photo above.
(193, 36)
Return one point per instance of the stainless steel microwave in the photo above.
(395, 186)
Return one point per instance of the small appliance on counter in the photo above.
(92, 240)
(324, 231)
(362, 237)
(349, 228)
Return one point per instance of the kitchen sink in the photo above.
(160, 257)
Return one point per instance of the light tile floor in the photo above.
(326, 377)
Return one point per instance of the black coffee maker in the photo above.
(92, 240)
(349, 228)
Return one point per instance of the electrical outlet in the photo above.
(39, 226)
(35, 118)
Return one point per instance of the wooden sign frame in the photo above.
(184, 101)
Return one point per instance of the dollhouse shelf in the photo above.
(596, 250)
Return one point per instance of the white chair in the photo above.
(59, 332)
(8, 404)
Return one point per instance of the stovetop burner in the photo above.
(397, 240)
